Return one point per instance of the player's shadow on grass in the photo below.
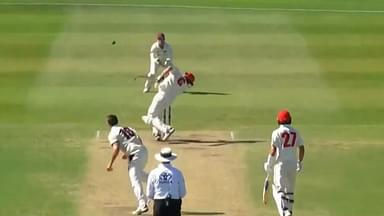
(214, 143)
(201, 213)
(205, 93)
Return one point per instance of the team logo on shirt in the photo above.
(165, 178)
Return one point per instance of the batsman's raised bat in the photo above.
(139, 77)
(265, 190)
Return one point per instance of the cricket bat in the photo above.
(140, 76)
(265, 190)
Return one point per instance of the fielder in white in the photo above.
(126, 140)
(282, 162)
(171, 83)
(161, 56)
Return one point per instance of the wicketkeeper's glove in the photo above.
(168, 62)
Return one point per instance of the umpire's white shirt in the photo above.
(165, 180)
(127, 140)
(286, 139)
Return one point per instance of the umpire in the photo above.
(166, 185)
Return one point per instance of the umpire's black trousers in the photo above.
(167, 207)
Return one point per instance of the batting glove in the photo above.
(268, 168)
(268, 165)
(299, 166)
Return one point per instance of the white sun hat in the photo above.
(165, 155)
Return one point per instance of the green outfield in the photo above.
(60, 75)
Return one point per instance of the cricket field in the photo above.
(60, 75)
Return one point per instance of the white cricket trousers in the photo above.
(284, 179)
(137, 175)
(159, 102)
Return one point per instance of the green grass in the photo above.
(42, 167)
(337, 4)
(60, 76)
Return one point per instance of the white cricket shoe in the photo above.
(287, 213)
(140, 211)
(145, 90)
(144, 118)
(167, 134)
(158, 137)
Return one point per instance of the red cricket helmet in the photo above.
(284, 117)
(190, 77)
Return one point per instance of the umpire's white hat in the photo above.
(165, 155)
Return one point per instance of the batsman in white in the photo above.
(282, 162)
(171, 82)
(161, 56)
(126, 140)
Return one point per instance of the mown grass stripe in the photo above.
(283, 10)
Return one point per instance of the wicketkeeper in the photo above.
(282, 162)
(161, 56)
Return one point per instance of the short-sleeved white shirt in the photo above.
(286, 139)
(164, 181)
(126, 138)
(174, 84)
(162, 54)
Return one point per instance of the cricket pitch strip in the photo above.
(215, 176)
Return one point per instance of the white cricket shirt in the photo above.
(126, 138)
(286, 139)
(174, 84)
(165, 180)
(162, 54)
